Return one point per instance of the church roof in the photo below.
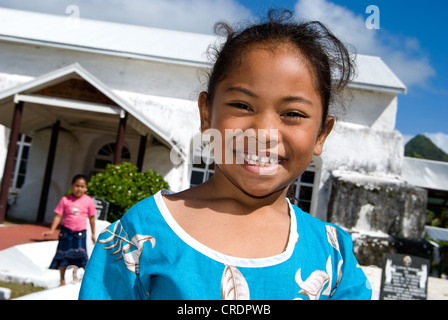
(104, 37)
(425, 173)
(146, 43)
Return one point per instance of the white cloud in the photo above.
(185, 15)
(439, 139)
(401, 54)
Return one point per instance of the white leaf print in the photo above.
(118, 225)
(131, 258)
(233, 285)
(118, 249)
(139, 239)
(327, 290)
(332, 236)
(339, 276)
(313, 286)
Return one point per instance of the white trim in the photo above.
(68, 103)
(223, 258)
(375, 87)
(109, 52)
(21, 144)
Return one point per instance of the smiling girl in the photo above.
(237, 236)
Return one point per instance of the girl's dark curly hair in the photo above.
(79, 176)
(328, 57)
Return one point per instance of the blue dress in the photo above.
(147, 255)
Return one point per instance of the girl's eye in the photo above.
(239, 105)
(294, 114)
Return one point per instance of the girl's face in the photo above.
(272, 89)
(79, 187)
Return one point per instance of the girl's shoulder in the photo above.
(312, 221)
(71, 197)
(83, 200)
(67, 198)
(313, 227)
(87, 198)
(143, 216)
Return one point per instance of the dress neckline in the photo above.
(224, 258)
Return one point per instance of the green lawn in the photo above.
(18, 290)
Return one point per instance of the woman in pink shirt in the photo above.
(73, 210)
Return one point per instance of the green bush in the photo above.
(123, 186)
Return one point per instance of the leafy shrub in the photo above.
(123, 186)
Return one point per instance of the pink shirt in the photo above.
(75, 211)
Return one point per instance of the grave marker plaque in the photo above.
(102, 208)
(404, 277)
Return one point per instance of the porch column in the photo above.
(48, 171)
(9, 164)
(141, 152)
(120, 137)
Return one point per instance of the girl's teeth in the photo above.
(260, 161)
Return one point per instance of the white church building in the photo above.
(73, 92)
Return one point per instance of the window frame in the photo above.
(22, 143)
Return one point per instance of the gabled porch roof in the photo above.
(78, 100)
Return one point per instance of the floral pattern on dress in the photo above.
(233, 285)
(119, 236)
(313, 286)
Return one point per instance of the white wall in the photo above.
(376, 110)
(356, 148)
(364, 140)
(25, 62)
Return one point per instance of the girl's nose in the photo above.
(267, 119)
(266, 126)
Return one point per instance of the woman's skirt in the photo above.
(71, 250)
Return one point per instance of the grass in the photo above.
(19, 290)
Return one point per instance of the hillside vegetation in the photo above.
(422, 147)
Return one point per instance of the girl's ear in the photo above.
(204, 111)
(324, 132)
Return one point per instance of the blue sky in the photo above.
(411, 39)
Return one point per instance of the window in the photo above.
(300, 192)
(21, 161)
(203, 166)
(105, 156)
